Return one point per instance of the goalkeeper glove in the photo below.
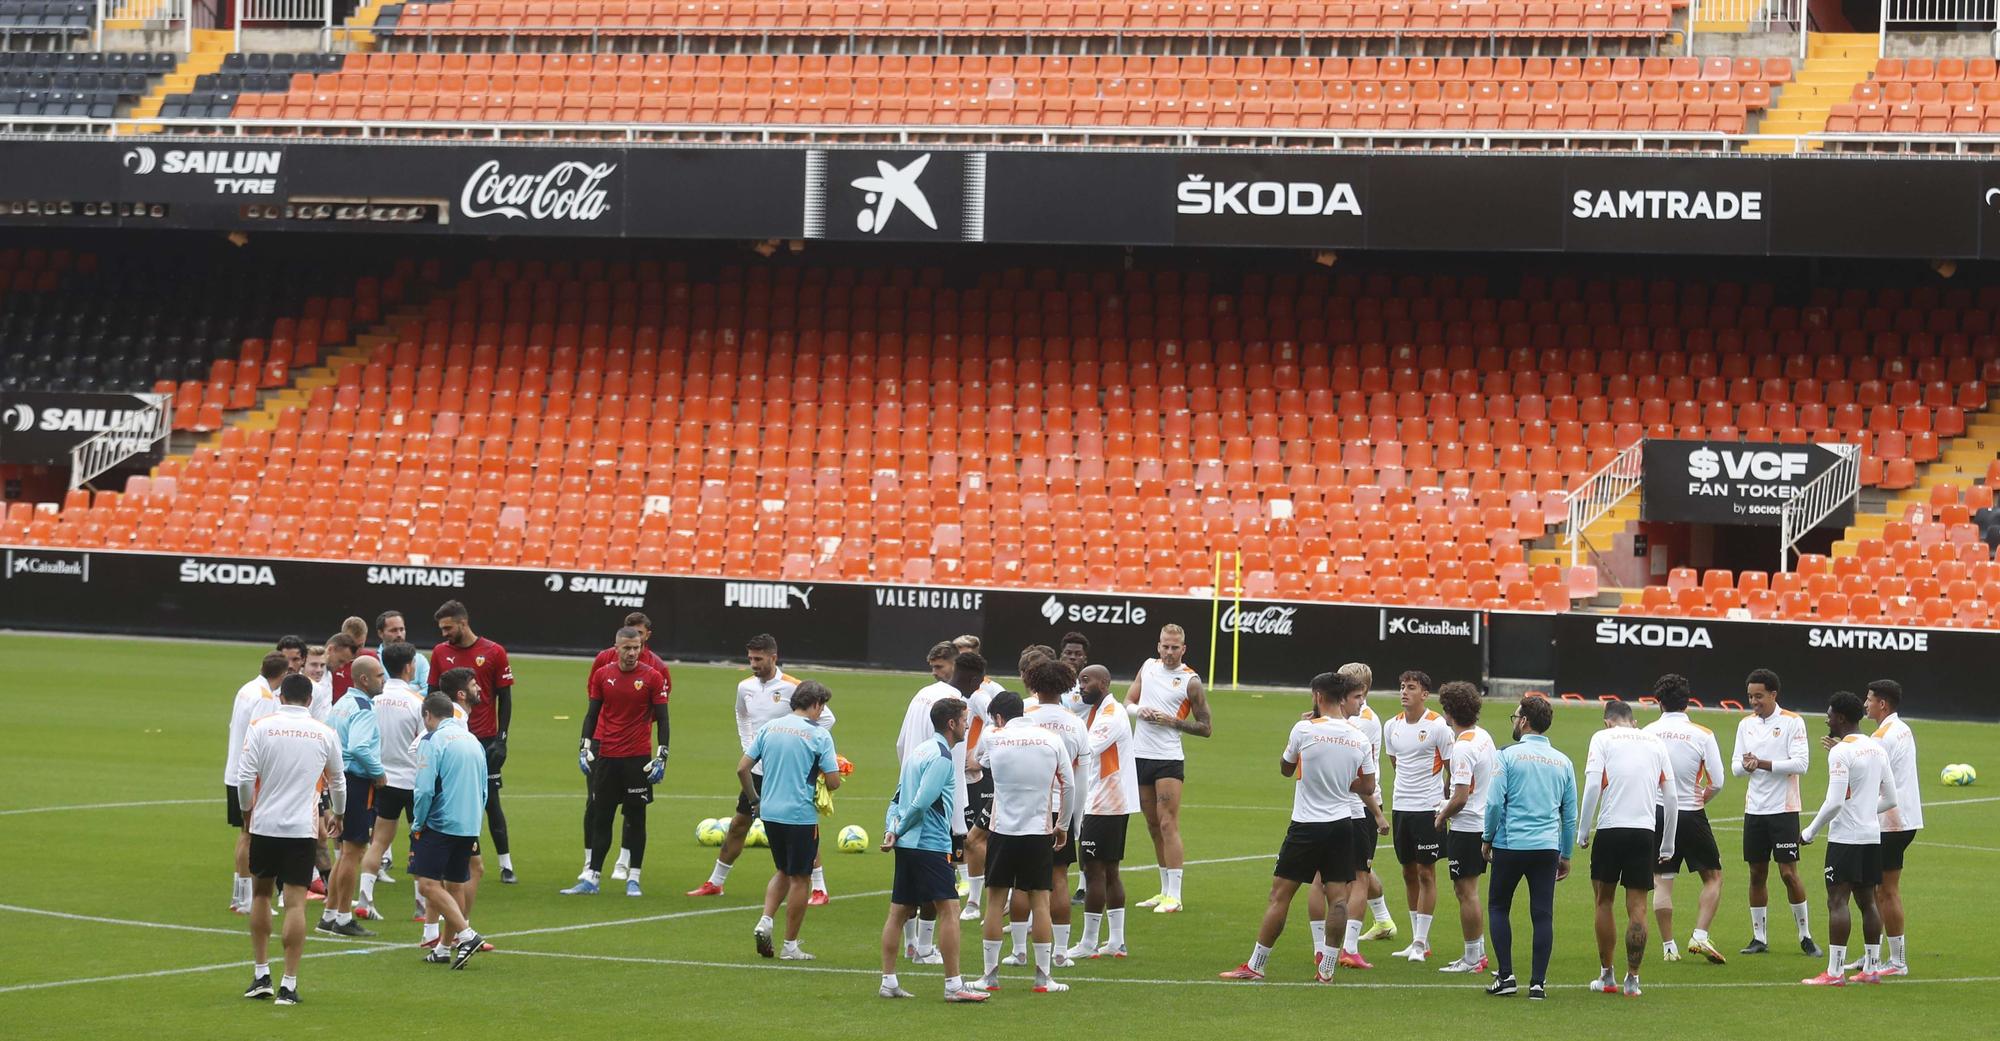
(846, 766)
(586, 755)
(656, 768)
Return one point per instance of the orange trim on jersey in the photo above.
(1701, 777)
(972, 734)
(1468, 736)
(1186, 707)
(1107, 762)
(1438, 762)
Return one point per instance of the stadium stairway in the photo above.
(1966, 462)
(210, 47)
(1834, 63)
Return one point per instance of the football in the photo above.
(756, 836)
(1958, 775)
(710, 831)
(853, 839)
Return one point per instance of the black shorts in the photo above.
(357, 822)
(1103, 839)
(290, 861)
(1771, 836)
(794, 847)
(1366, 841)
(235, 806)
(979, 804)
(391, 803)
(1894, 843)
(1416, 836)
(1153, 770)
(1462, 854)
(1625, 856)
(1024, 862)
(922, 877)
(621, 779)
(1694, 845)
(743, 802)
(446, 858)
(1322, 848)
(1856, 865)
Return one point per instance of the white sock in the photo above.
(926, 936)
(343, 917)
(791, 947)
(1669, 947)
(764, 924)
(1474, 950)
(1318, 927)
(632, 874)
(368, 887)
(1351, 943)
(239, 890)
(1421, 925)
(465, 933)
(1379, 908)
(819, 879)
(1042, 953)
(1174, 882)
(1800, 919)
(1116, 920)
(1871, 957)
(624, 858)
(1092, 923)
(586, 858)
(720, 875)
(910, 934)
(1163, 881)
(974, 886)
(593, 877)
(1062, 937)
(507, 861)
(1896, 951)
(1836, 956)
(430, 930)
(992, 949)
(1260, 956)
(1700, 936)
(1019, 932)
(954, 983)
(289, 983)
(259, 970)
(889, 981)
(1760, 928)
(958, 871)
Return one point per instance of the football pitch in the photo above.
(114, 875)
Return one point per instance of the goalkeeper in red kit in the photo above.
(622, 765)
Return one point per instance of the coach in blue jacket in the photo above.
(918, 830)
(1530, 827)
(450, 796)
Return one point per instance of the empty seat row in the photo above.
(138, 61)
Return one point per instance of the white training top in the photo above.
(1370, 724)
(254, 701)
(289, 757)
(1859, 787)
(760, 701)
(1420, 751)
(1692, 749)
(1113, 780)
(1330, 754)
(1473, 760)
(1624, 775)
(322, 702)
(399, 713)
(1031, 772)
(917, 731)
(1163, 690)
(1901, 745)
(1058, 720)
(1782, 740)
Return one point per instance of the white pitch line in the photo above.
(211, 929)
(1345, 980)
(105, 806)
(217, 967)
(1927, 806)
(704, 911)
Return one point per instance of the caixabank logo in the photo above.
(20, 564)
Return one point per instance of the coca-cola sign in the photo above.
(567, 191)
(1270, 620)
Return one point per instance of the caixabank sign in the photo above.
(1732, 482)
(1929, 207)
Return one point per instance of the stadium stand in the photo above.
(1923, 96)
(77, 84)
(1355, 437)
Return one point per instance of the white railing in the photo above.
(170, 15)
(1939, 16)
(111, 447)
(995, 134)
(296, 13)
(1597, 496)
(1838, 486)
(1757, 16)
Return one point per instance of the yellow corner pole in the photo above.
(1214, 616)
(1236, 641)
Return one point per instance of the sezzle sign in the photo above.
(203, 572)
(430, 577)
(1270, 620)
(567, 191)
(1652, 634)
(1127, 613)
(617, 592)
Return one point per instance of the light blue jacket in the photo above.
(421, 663)
(353, 719)
(1531, 802)
(920, 813)
(451, 781)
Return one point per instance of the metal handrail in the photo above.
(1599, 494)
(106, 449)
(1839, 485)
(67, 128)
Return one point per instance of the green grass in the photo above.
(94, 721)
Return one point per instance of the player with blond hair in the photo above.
(1169, 701)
